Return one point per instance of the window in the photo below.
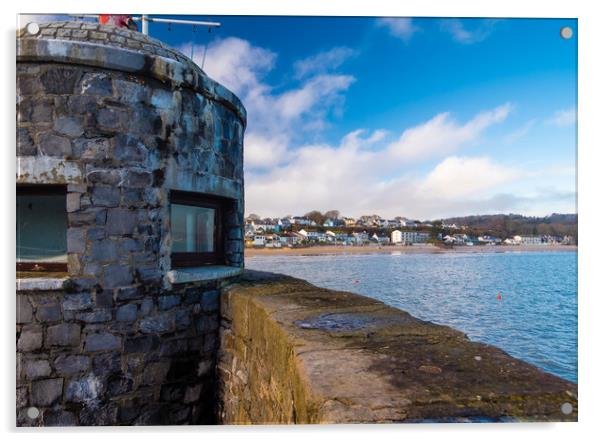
(41, 228)
(196, 229)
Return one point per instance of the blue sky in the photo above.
(423, 118)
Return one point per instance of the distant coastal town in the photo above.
(331, 229)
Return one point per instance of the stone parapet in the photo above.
(294, 353)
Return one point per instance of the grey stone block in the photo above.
(104, 250)
(117, 275)
(53, 145)
(71, 364)
(73, 202)
(121, 221)
(210, 301)
(59, 418)
(69, 126)
(25, 145)
(84, 390)
(127, 313)
(96, 84)
(139, 344)
(30, 340)
(64, 334)
(34, 369)
(102, 342)
(107, 177)
(46, 392)
(77, 302)
(168, 302)
(138, 178)
(96, 316)
(129, 293)
(49, 313)
(76, 242)
(24, 310)
(106, 196)
(158, 323)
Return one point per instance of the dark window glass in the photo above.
(196, 229)
(41, 228)
(192, 229)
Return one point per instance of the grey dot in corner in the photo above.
(566, 408)
(33, 412)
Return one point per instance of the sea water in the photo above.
(522, 302)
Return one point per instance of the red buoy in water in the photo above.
(499, 296)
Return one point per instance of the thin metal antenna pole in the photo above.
(145, 24)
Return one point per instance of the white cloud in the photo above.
(563, 118)
(442, 135)
(478, 30)
(403, 28)
(363, 174)
(322, 62)
(461, 177)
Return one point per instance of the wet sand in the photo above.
(332, 250)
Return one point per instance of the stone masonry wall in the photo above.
(120, 120)
(291, 352)
(137, 356)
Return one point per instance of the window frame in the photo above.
(194, 259)
(42, 189)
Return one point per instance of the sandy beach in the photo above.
(333, 250)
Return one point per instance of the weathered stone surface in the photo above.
(127, 313)
(64, 334)
(69, 126)
(210, 301)
(96, 84)
(96, 316)
(36, 368)
(106, 196)
(129, 293)
(59, 418)
(138, 178)
(54, 145)
(335, 357)
(76, 242)
(158, 323)
(104, 250)
(25, 145)
(84, 390)
(46, 392)
(117, 275)
(121, 221)
(139, 344)
(49, 313)
(77, 302)
(60, 81)
(71, 364)
(106, 177)
(120, 140)
(73, 202)
(31, 339)
(102, 342)
(24, 310)
(168, 302)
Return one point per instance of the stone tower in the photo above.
(139, 156)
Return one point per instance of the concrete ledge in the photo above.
(294, 353)
(213, 272)
(40, 284)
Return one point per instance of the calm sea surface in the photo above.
(536, 319)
